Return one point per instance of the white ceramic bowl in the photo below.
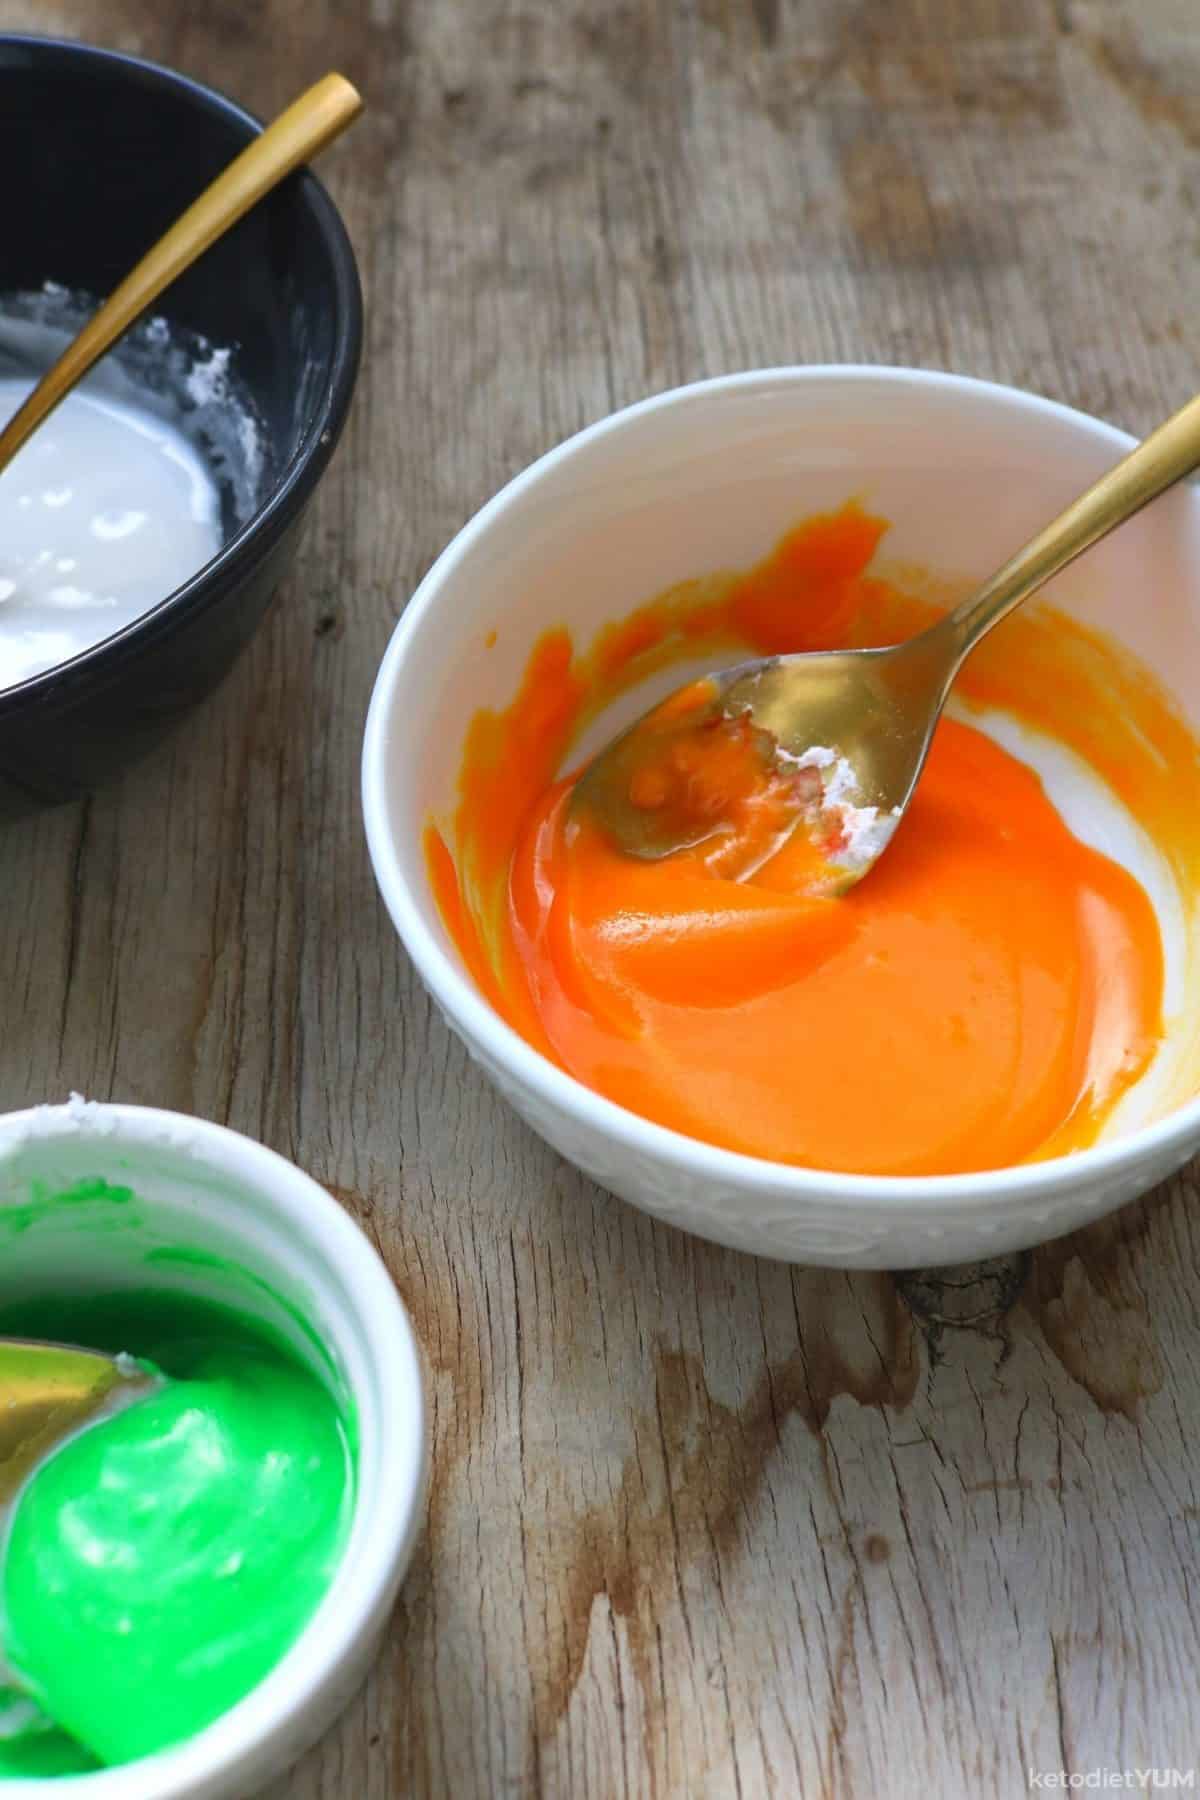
(707, 478)
(202, 1189)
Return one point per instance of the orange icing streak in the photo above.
(983, 998)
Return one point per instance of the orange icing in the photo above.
(984, 997)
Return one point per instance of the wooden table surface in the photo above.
(699, 1524)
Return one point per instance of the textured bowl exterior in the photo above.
(769, 1218)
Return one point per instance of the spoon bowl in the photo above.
(49, 1390)
(873, 705)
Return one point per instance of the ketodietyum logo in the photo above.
(1112, 1780)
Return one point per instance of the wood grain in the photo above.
(699, 1525)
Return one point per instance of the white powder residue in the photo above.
(83, 1114)
(866, 829)
(208, 382)
(93, 1119)
(249, 439)
(209, 386)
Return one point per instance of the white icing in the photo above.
(109, 495)
(157, 367)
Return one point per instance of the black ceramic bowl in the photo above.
(110, 150)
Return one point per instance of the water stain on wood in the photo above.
(1085, 1296)
(449, 1345)
(932, 62)
(1012, 1484)
(766, 18)
(196, 1015)
(1081, 1293)
(743, 25)
(626, 42)
(692, 1503)
(1153, 89)
(450, 1362)
(857, 1339)
(894, 216)
(835, 1769)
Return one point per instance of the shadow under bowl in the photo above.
(111, 150)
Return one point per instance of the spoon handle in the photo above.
(307, 125)
(1163, 458)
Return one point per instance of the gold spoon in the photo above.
(48, 1390)
(877, 709)
(307, 125)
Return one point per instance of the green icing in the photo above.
(160, 1563)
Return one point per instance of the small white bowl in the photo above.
(210, 1193)
(707, 478)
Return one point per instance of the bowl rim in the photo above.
(295, 483)
(254, 1733)
(451, 986)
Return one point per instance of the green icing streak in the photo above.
(14, 1220)
(159, 1564)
